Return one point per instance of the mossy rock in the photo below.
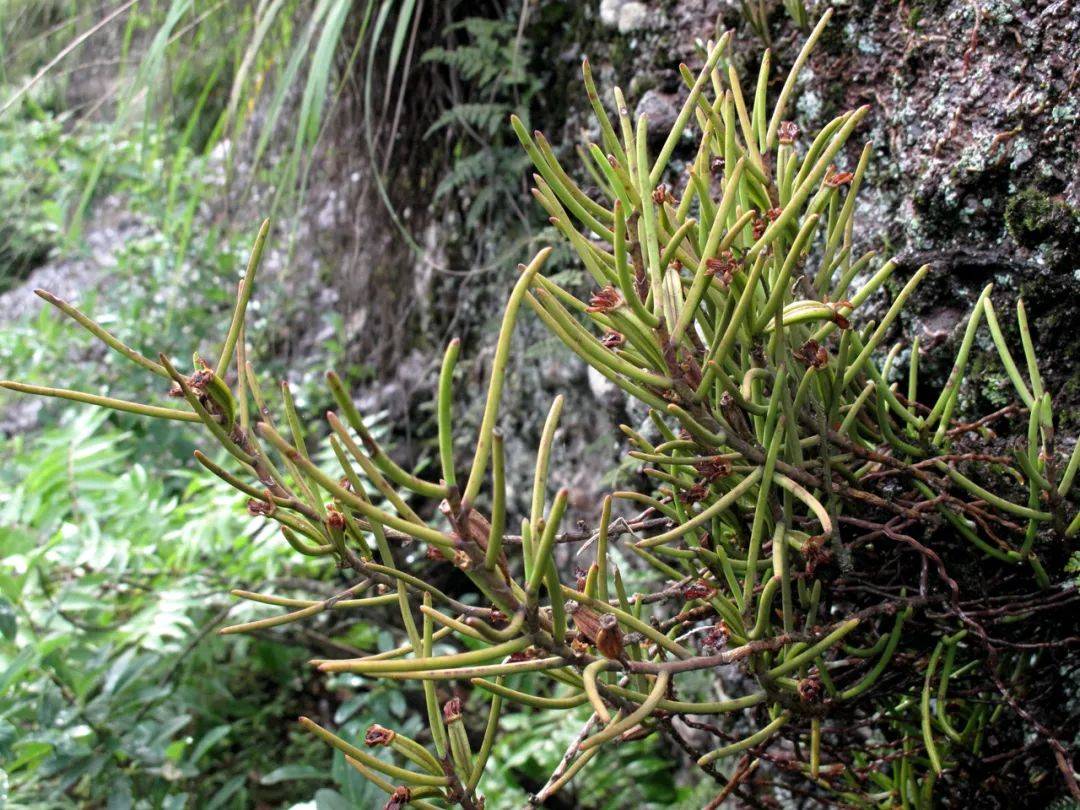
(1034, 218)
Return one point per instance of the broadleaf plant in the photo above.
(859, 570)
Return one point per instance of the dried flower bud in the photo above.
(697, 590)
(815, 553)
(809, 689)
(462, 560)
(580, 575)
(334, 518)
(604, 300)
(813, 354)
(201, 379)
(714, 468)
(579, 645)
(613, 340)
(399, 799)
(586, 620)
(716, 165)
(759, 227)
(609, 640)
(434, 554)
(718, 635)
(260, 508)
(497, 617)
(662, 195)
(773, 214)
(722, 267)
(452, 710)
(695, 494)
(378, 735)
(838, 179)
(787, 132)
(528, 654)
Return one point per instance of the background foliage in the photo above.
(130, 164)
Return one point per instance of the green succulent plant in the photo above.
(862, 559)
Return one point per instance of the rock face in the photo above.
(974, 118)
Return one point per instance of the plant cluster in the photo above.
(871, 588)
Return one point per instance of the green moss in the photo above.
(1034, 218)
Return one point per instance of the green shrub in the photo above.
(113, 687)
(838, 589)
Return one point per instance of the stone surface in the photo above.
(632, 16)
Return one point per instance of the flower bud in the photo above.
(604, 300)
(452, 710)
(399, 799)
(378, 735)
(609, 640)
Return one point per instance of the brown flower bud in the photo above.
(462, 560)
(609, 639)
(722, 267)
(697, 590)
(452, 710)
(809, 689)
(714, 469)
(787, 132)
(695, 494)
(580, 576)
(378, 735)
(604, 300)
(838, 179)
(813, 354)
(773, 214)
(586, 620)
(613, 340)
(260, 508)
(334, 518)
(717, 635)
(716, 165)
(399, 799)
(200, 379)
